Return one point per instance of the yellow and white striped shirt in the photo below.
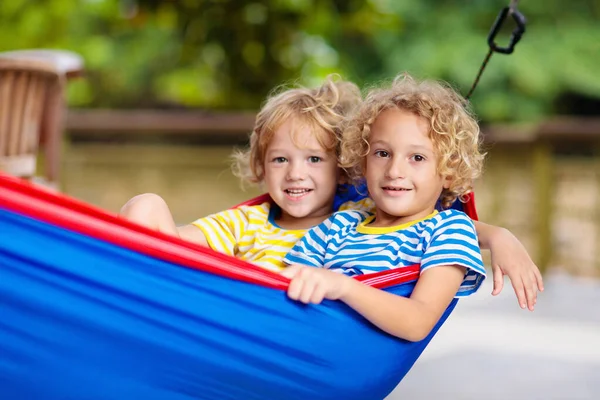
(250, 233)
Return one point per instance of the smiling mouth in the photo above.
(297, 192)
(394, 189)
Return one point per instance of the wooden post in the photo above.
(500, 179)
(544, 189)
(52, 131)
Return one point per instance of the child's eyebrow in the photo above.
(379, 143)
(412, 147)
(283, 150)
(316, 151)
(421, 148)
(276, 150)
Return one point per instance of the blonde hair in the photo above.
(321, 109)
(452, 128)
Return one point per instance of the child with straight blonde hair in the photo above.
(293, 154)
(415, 143)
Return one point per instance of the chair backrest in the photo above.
(24, 88)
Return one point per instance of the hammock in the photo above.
(95, 307)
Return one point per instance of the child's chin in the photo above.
(397, 211)
(397, 204)
(300, 214)
(296, 211)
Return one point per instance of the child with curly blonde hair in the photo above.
(414, 143)
(293, 152)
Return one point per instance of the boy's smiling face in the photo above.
(401, 168)
(300, 175)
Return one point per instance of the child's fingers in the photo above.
(291, 271)
(295, 288)
(539, 279)
(534, 287)
(311, 286)
(308, 288)
(318, 294)
(531, 294)
(520, 292)
(498, 280)
(530, 287)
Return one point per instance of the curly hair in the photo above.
(453, 130)
(321, 109)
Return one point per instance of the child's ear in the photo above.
(448, 181)
(342, 178)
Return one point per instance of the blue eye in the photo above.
(382, 154)
(279, 160)
(314, 159)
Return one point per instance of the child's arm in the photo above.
(509, 257)
(152, 211)
(451, 266)
(407, 318)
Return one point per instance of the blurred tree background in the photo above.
(228, 54)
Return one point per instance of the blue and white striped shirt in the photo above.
(346, 243)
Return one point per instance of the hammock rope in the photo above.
(509, 11)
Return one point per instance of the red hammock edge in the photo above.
(33, 201)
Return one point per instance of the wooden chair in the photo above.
(31, 101)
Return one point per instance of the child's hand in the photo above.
(312, 285)
(509, 257)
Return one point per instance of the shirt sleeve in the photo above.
(311, 249)
(454, 241)
(365, 205)
(223, 230)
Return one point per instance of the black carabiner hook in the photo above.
(516, 33)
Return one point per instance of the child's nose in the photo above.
(296, 171)
(396, 168)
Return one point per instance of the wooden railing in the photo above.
(564, 152)
(96, 123)
(529, 185)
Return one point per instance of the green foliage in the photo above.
(230, 54)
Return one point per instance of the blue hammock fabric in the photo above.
(83, 317)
